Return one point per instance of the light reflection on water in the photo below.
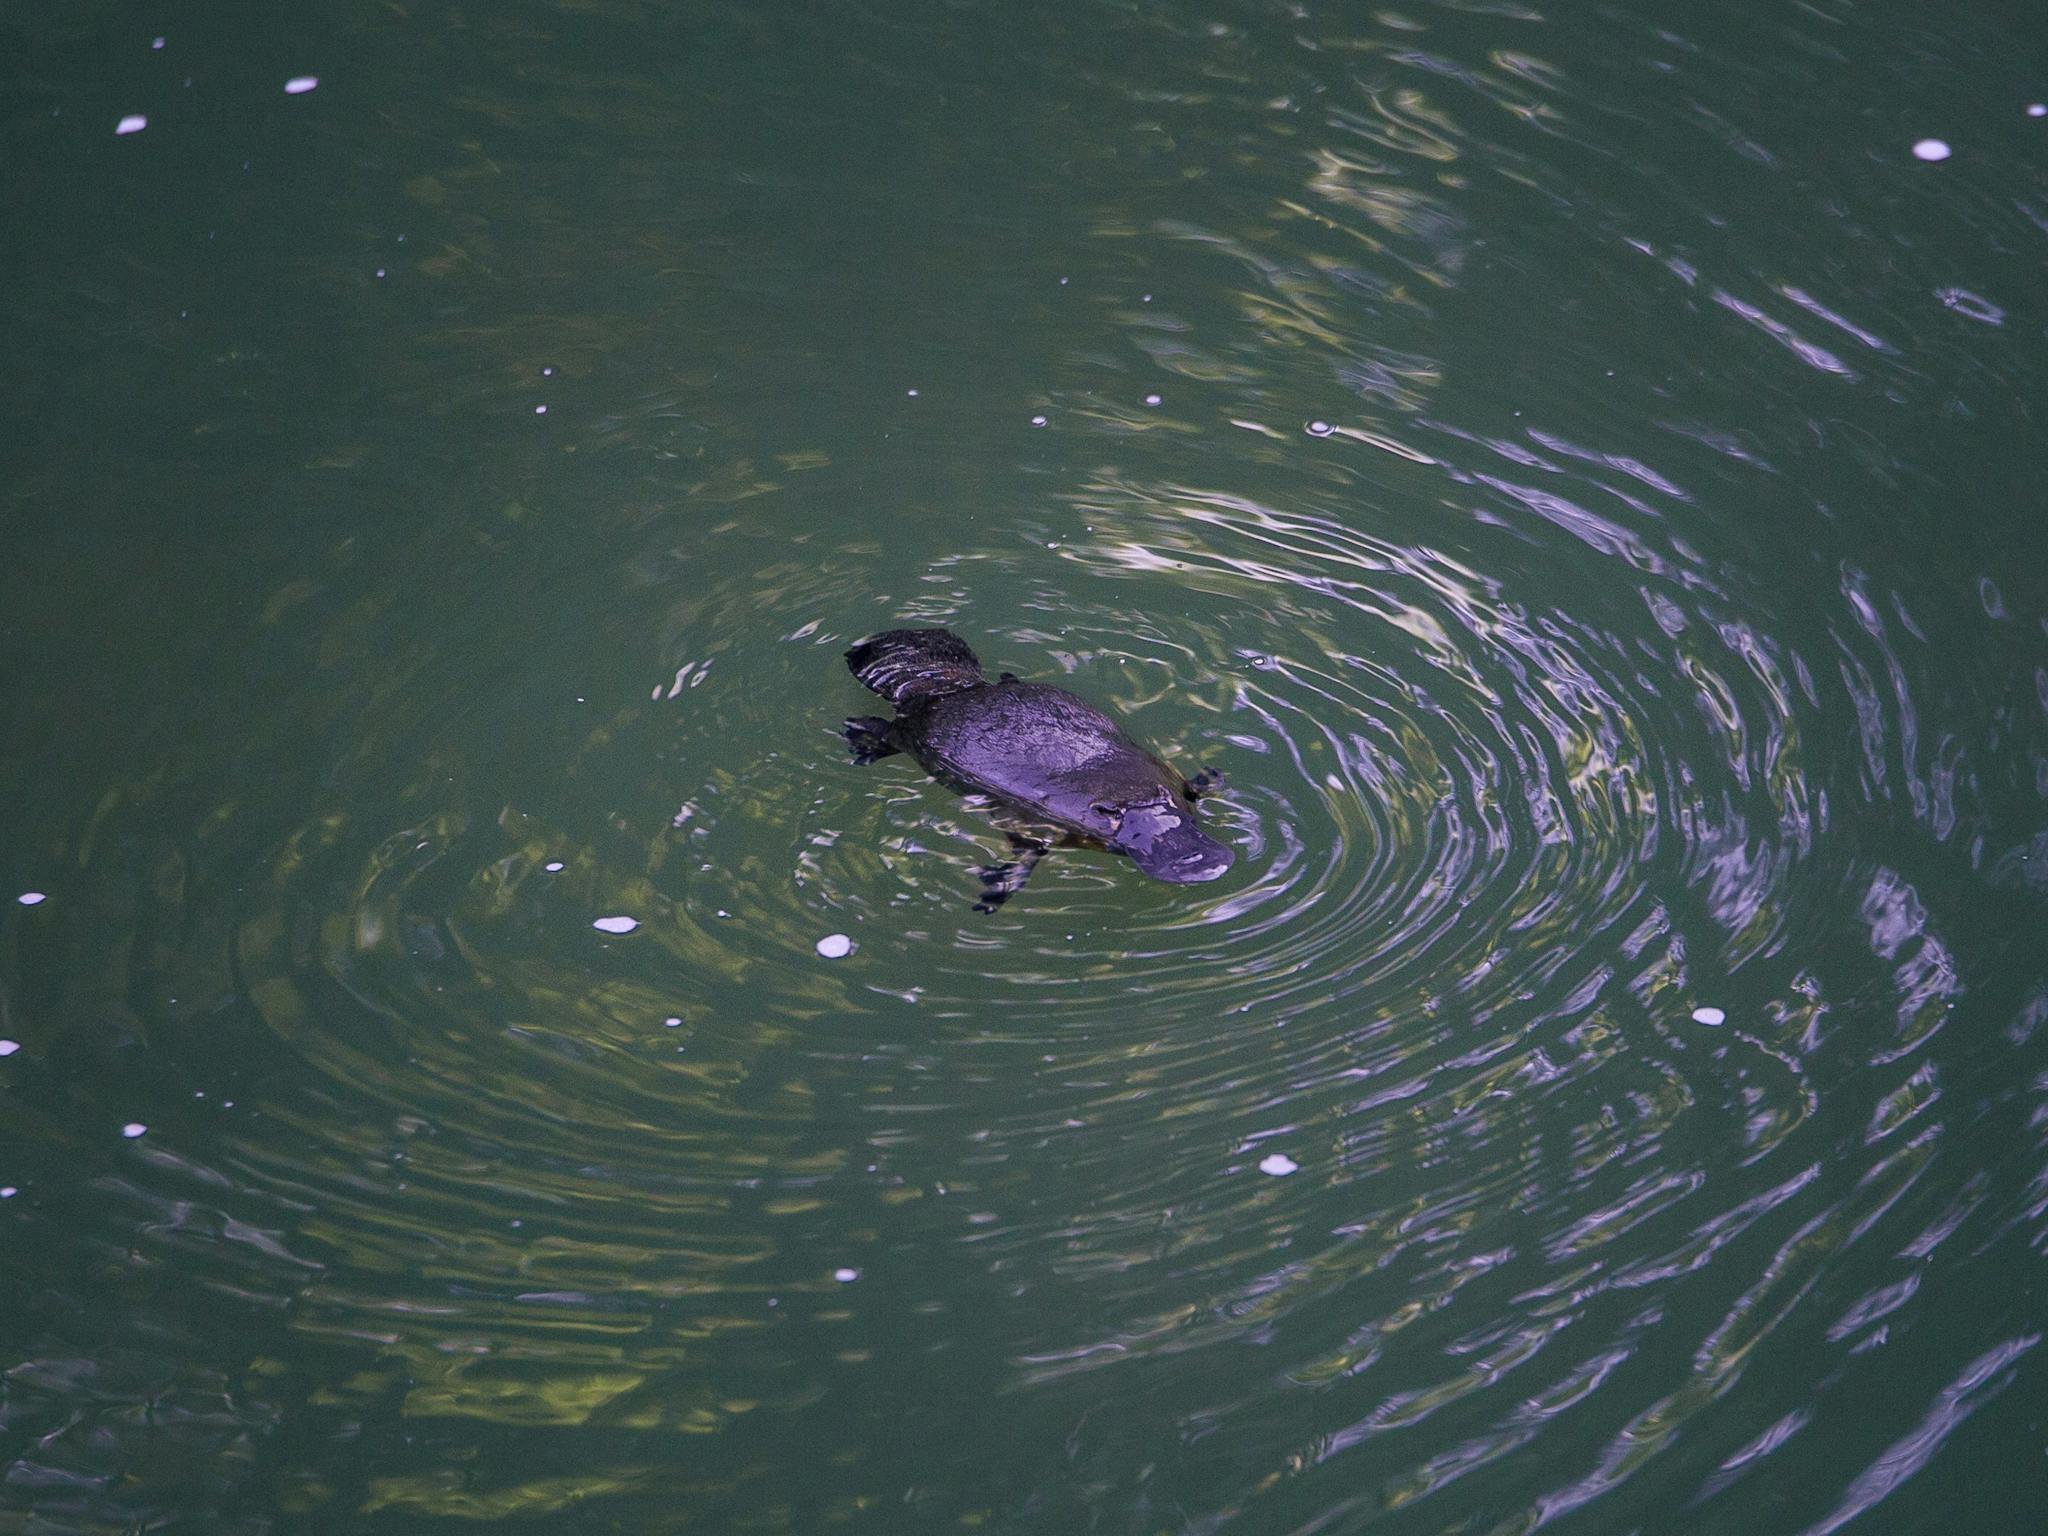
(1608, 1079)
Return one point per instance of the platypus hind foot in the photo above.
(870, 738)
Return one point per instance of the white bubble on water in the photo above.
(133, 1129)
(1278, 1164)
(1320, 429)
(540, 410)
(835, 946)
(1038, 421)
(298, 85)
(8, 1191)
(2037, 109)
(134, 122)
(846, 1276)
(616, 924)
(9, 1047)
(32, 898)
(1152, 399)
(1709, 1016)
(1931, 149)
(672, 1023)
(552, 867)
(156, 42)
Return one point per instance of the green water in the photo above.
(1574, 469)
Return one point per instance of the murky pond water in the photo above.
(1578, 473)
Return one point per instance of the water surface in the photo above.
(1576, 472)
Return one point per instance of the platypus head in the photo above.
(1164, 840)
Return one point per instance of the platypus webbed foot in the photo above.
(999, 882)
(870, 738)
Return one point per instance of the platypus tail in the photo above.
(904, 665)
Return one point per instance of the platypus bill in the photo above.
(1057, 769)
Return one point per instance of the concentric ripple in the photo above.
(1423, 1080)
(593, 1022)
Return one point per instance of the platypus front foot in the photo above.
(1207, 782)
(999, 882)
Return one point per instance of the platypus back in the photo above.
(908, 665)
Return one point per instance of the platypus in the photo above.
(1055, 769)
